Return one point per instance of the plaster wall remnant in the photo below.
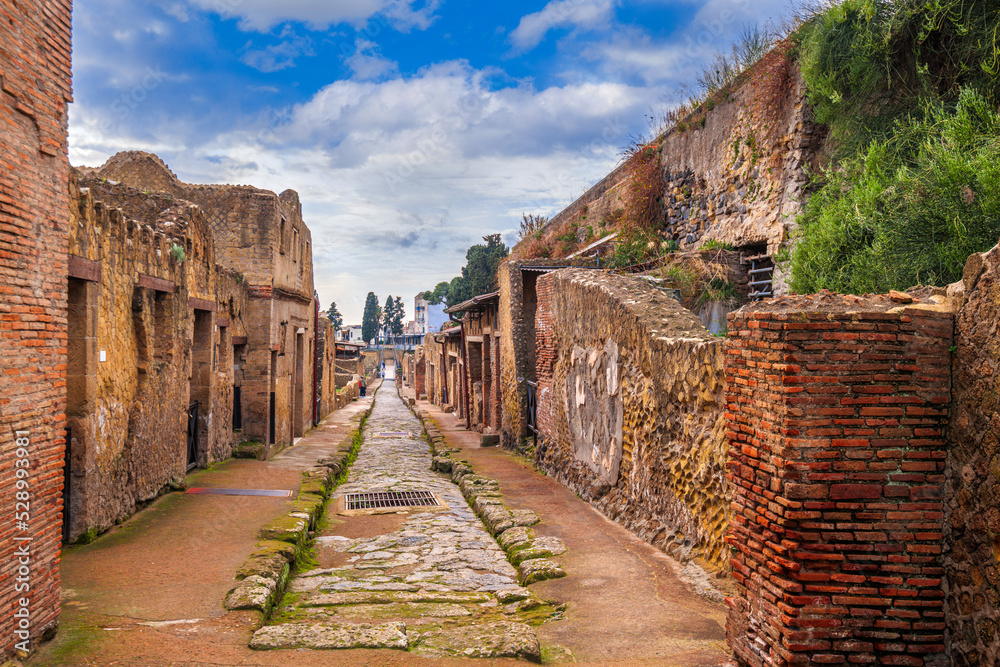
(35, 59)
(631, 411)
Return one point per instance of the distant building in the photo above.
(351, 334)
(430, 317)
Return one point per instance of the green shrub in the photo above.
(910, 209)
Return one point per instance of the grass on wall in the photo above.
(909, 89)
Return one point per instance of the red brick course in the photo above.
(836, 468)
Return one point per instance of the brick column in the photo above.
(835, 424)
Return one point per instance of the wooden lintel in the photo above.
(222, 321)
(239, 340)
(474, 339)
(157, 284)
(84, 269)
(201, 304)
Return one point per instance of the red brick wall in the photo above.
(420, 375)
(835, 425)
(34, 208)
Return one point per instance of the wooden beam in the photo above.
(201, 304)
(239, 340)
(84, 269)
(157, 284)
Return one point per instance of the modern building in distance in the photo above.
(351, 334)
(429, 317)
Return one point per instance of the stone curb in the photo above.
(263, 576)
(525, 552)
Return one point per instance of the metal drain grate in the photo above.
(385, 499)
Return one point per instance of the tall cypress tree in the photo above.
(370, 319)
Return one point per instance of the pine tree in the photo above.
(336, 319)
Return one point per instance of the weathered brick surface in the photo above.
(35, 65)
(836, 415)
(972, 509)
(630, 409)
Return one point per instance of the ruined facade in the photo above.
(480, 366)
(518, 303)
(261, 236)
(630, 409)
(156, 335)
(443, 374)
(35, 61)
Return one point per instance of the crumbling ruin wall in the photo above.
(35, 61)
(630, 408)
(326, 339)
(972, 509)
(140, 352)
(837, 408)
(232, 306)
(261, 236)
(734, 170)
(514, 351)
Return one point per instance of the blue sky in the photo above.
(409, 128)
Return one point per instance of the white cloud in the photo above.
(557, 14)
(262, 15)
(368, 63)
(276, 57)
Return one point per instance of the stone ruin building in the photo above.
(192, 322)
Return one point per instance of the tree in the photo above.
(336, 319)
(388, 314)
(399, 312)
(370, 320)
(479, 275)
(438, 294)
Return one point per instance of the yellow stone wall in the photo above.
(611, 345)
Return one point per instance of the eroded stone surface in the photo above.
(539, 569)
(329, 636)
(495, 640)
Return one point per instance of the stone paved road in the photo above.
(433, 582)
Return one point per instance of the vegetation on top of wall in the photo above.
(909, 89)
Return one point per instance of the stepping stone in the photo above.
(327, 636)
(503, 639)
(539, 569)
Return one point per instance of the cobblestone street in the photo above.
(438, 584)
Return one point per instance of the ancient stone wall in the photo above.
(972, 508)
(35, 61)
(733, 171)
(326, 340)
(262, 237)
(515, 347)
(151, 329)
(836, 414)
(630, 403)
